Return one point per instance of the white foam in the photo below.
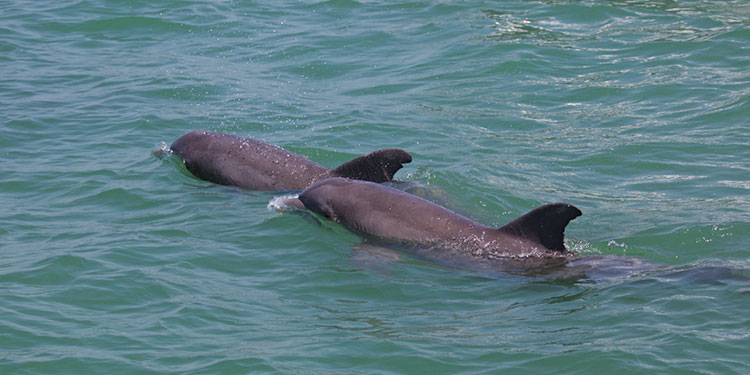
(162, 150)
(277, 203)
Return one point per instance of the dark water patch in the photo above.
(133, 28)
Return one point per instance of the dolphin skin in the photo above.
(247, 163)
(431, 231)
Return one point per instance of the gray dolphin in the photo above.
(247, 163)
(435, 232)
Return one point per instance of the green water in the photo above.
(115, 261)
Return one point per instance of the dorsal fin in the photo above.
(545, 224)
(377, 166)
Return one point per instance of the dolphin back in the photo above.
(377, 166)
(544, 225)
(247, 163)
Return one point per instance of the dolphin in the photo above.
(247, 163)
(431, 231)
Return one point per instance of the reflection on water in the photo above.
(596, 269)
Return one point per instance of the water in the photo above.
(116, 261)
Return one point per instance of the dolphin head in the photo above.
(318, 197)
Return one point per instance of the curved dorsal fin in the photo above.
(545, 224)
(377, 166)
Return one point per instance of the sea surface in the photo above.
(115, 260)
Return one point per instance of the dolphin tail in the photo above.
(377, 166)
(545, 225)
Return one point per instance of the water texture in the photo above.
(116, 261)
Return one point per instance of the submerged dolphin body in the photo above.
(437, 233)
(247, 163)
